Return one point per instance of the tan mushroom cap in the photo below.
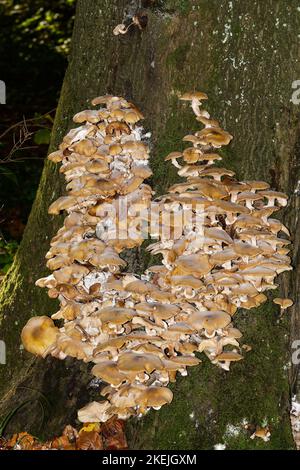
(230, 356)
(284, 303)
(197, 265)
(110, 258)
(159, 310)
(139, 287)
(39, 335)
(155, 397)
(75, 348)
(222, 206)
(186, 281)
(102, 99)
(245, 249)
(215, 136)
(198, 95)
(220, 257)
(70, 274)
(109, 372)
(262, 433)
(97, 166)
(87, 115)
(85, 147)
(181, 327)
(95, 412)
(233, 332)
(280, 197)
(191, 138)
(116, 315)
(191, 155)
(249, 196)
(209, 320)
(69, 312)
(218, 234)
(62, 203)
(135, 362)
(173, 156)
(217, 172)
(257, 185)
(56, 157)
(185, 360)
(162, 295)
(207, 121)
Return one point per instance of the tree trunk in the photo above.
(245, 55)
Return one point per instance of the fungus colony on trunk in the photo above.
(140, 331)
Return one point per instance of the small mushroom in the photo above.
(283, 303)
(225, 358)
(262, 432)
(39, 335)
(196, 98)
(95, 412)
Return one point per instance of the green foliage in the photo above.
(34, 44)
(7, 253)
(42, 136)
(35, 37)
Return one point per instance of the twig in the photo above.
(24, 136)
(18, 124)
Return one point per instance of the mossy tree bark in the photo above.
(245, 55)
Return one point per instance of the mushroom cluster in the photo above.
(221, 251)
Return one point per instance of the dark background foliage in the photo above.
(35, 37)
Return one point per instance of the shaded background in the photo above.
(35, 37)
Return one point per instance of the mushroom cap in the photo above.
(257, 185)
(173, 155)
(139, 287)
(230, 356)
(216, 171)
(245, 249)
(218, 234)
(110, 258)
(116, 315)
(263, 433)
(95, 412)
(159, 310)
(39, 335)
(194, 95)
(274, 194)
(87, 115)
(215, 136)
(191, 155)
(248, 196)
(109, 372)
(284, 303)
(221, 206)
(186, 281)
(209, 320)
(181, 327)
(156, 396)
(135, 362)
(220, 257)
(74, 348)
(56, 157)
(196, 265)
(233, 333)
(62, 203)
